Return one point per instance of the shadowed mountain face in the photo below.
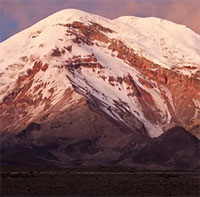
(79, 136)
(176, 149)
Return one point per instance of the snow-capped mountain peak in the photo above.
(169, 44)
(138, 71)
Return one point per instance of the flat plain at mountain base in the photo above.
(108, 183)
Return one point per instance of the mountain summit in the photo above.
(143, 73)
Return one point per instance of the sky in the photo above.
(16, 15)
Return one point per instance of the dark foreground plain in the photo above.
(87, 182)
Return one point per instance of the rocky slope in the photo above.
(176, 149)
(79, 136)
(97, 82)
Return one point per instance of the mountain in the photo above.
(83, 87)
(176, 149)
